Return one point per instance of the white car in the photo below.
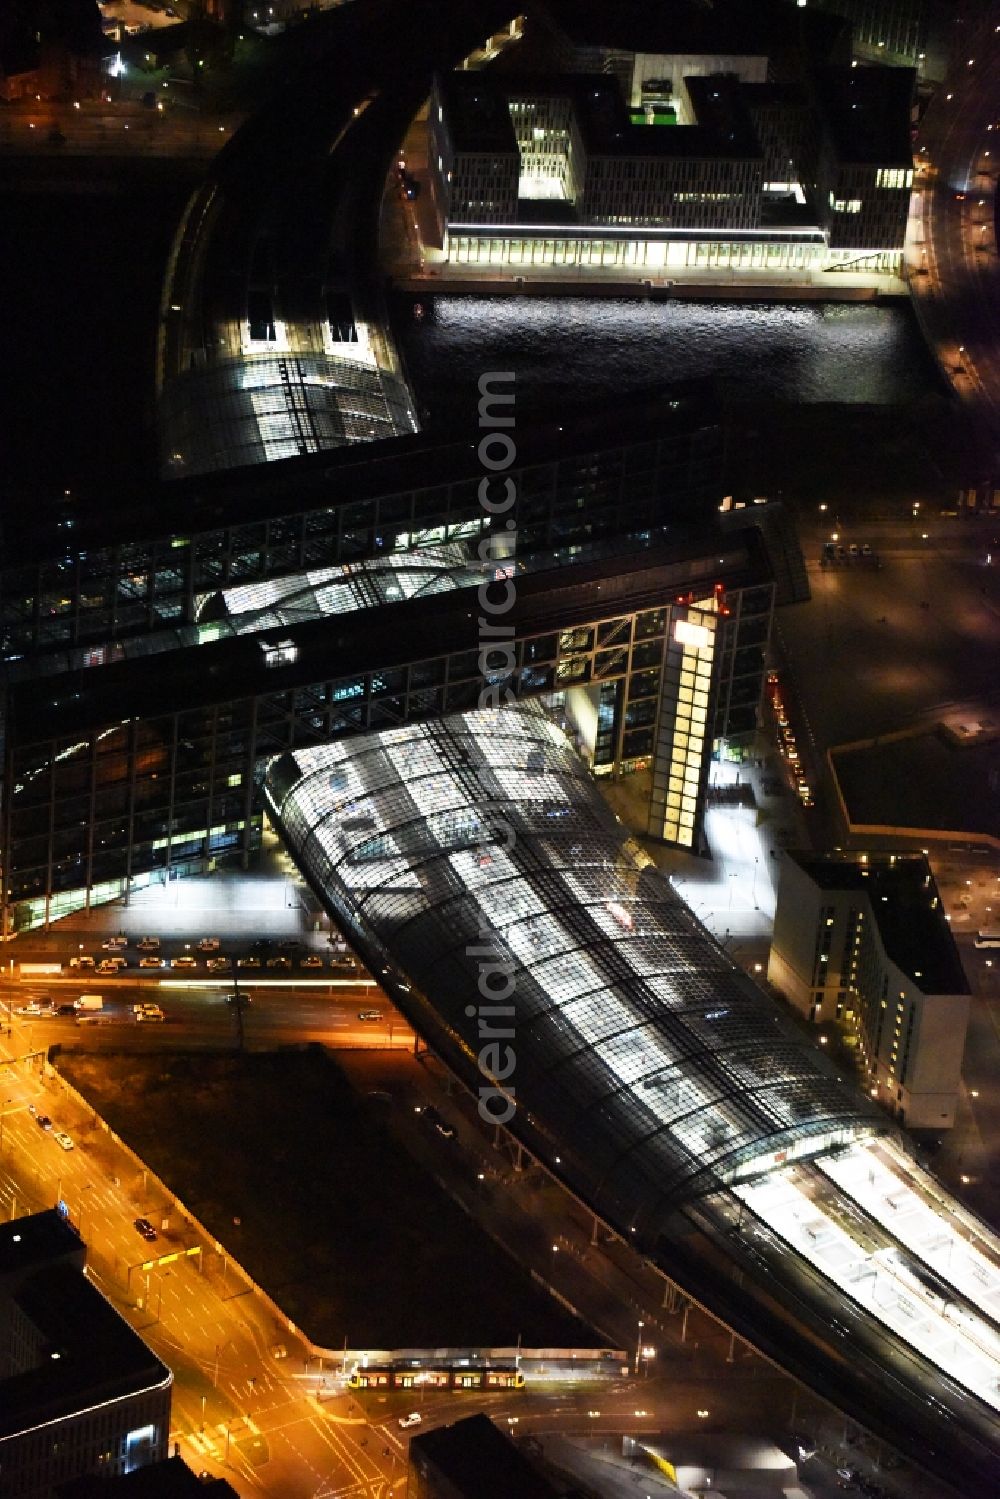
(209, 944)
(413, 1419)
(63, 1139)
(184, 962)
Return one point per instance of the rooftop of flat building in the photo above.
(476, 112)
(169, 1479)
(695, 27)
(88, 1353)
(479, 1461)
(720, 108)
(907, 909)
(605, 124)
(867, 114)
(289, 486)
(28, 1244)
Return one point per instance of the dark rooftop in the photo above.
(293, 485)
(27, 1244)
(692, 27)
(721, 110)
(92, 1354)
(476, 113)
(169, 1479)
(867, 113)
(602, 115)
(907, 909)
(479, 1461)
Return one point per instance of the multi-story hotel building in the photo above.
(862, 940)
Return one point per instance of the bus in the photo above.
(989, 938)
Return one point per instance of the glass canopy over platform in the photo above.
(543, 955)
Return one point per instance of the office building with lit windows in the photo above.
(148, 675)
(726, 172)
(80, 1392)
(567, 146)
(864, 169)
(862, 940)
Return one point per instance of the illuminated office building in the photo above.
(150, 669)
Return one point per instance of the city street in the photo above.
(250, 1401)
(235, 1404)
(952, 253)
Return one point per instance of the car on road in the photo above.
(248, 962)
(149, 962)
(442, 1126)
(34, 1008)
(82, 960)
(184, 962)
(219, 965)
(145, 1228)
(413, 1419)
(209, 944)
(312, 961)
(369, 1014)
(148, 944)
(43, 1121)
(66, 1009)
(114, 943)
(279, 961)
(63, 1139)
(111, 965)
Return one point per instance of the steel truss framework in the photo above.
(630, 1044)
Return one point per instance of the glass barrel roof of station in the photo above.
(322, 592)
(642, 1055)
(265, 407)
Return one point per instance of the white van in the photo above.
(89, 1002)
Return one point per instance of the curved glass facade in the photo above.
(644, 1065)
(265, 407)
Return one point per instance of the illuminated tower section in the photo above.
(679, 760)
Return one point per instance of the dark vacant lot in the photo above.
(348, 1234)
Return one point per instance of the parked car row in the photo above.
(290, 955)
(837, 552)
